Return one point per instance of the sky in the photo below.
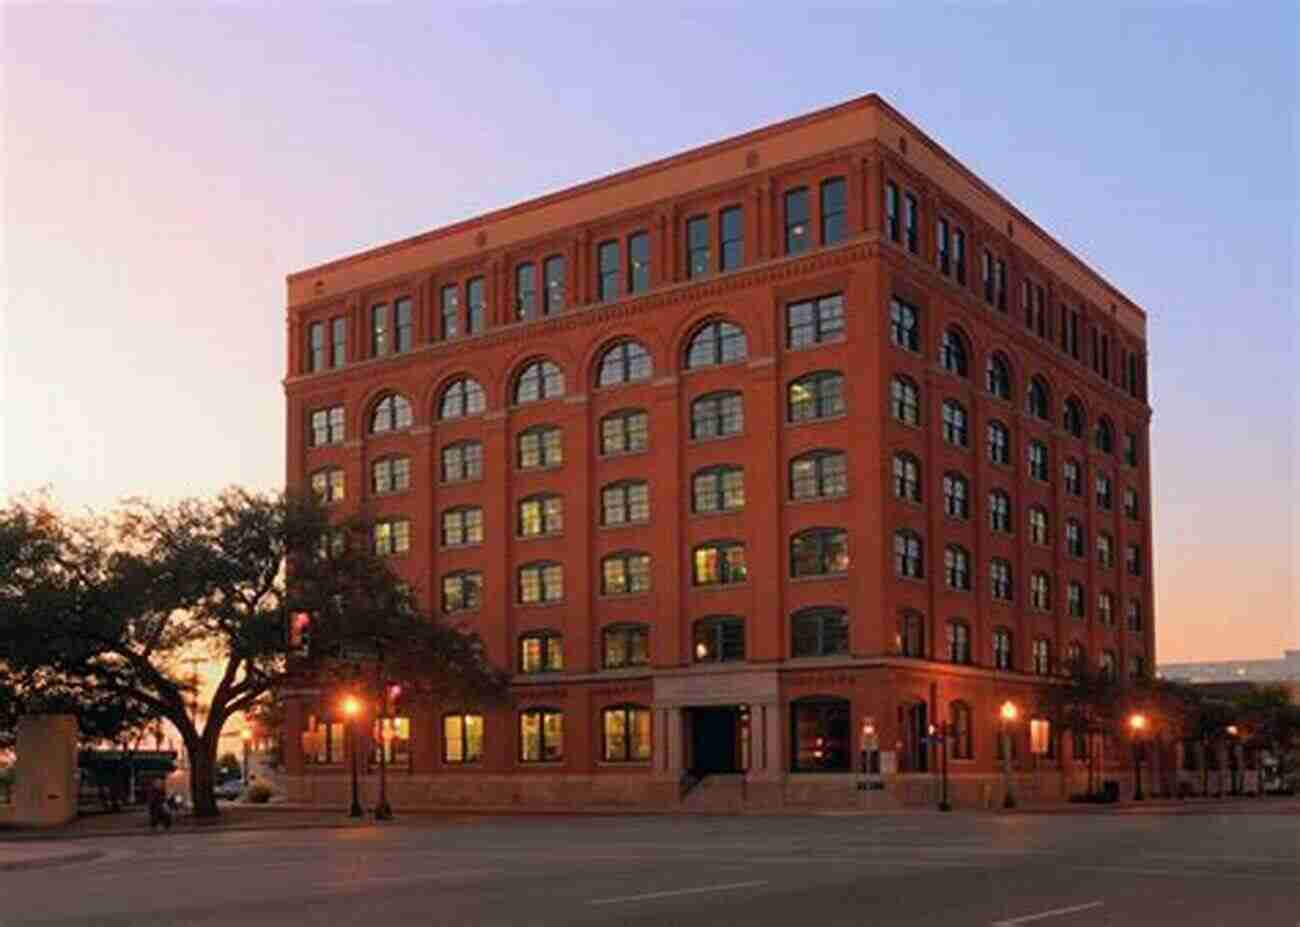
(165, 168)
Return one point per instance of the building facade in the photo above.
(743, 461)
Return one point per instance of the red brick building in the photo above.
(740, 460)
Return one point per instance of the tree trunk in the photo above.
(203, 779)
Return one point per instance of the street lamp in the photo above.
(1137, 724)
(246, 736)
(389, 695)
(1009, 714)
(351, 708)
(1233, 763)
(940, 733)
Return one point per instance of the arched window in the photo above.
(999, 443)
(1038, 400)
(718, 639)
(541, 735)
(1040, 591)
(540, 379)
(952, 352)
(1105, 609)
(817, 395)
(959, 732)
(626, 502)
(718, 489)
(624, 362)
(1072, 476)
(819, 632)
(625, 733)
(716, 342)
(625, 645)
(908, 558)
(999, 512)
(462, 591)
(462, 461)
(907, 478)
(1036, 456)
(717, 415)
(819, 552)
(392, 413)
(1042, 657)
(1003, 656)
(1000, 585)
(462, 397)
(539, 515)
(1105, 498)
(904, 401)
(462, 739)
(1074, 598)
(541, 652)
(327, 484)
(821, 735)
(624, 431)
(626, 572)
(1105, 437)
(904, 325)
(955, 431)
(997, 377)
(959, 648)
(1072, 418)
(817, 474)
(540, 446)
(956, 567)
(1073, 537)
(1038, 525)
(541, 582)
(911, 635)
(956, 496)
(718, 563)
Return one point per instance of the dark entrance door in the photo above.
(713, 741)
(915, 731)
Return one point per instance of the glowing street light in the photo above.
(246, 736)
(1137, 723)
(1009, 714)
(352, 708)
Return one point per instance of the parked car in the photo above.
(230, 790)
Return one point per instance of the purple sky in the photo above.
(164, 170)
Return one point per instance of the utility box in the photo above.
(47, 761)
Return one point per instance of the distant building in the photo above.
(1286, 669)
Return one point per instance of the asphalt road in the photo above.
(1236, 869)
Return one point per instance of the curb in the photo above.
(50, 862)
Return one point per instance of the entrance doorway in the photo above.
(916, 727)
(715, 740)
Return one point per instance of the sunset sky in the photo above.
(163, 171)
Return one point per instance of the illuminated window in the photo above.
(626, 734)
(541, 652)
(327, 484)
(541, 582)
(821, 735)
(626, 572)
(817, 395)
(719, 563)
(718, 639)
(541, 735)
(462, 739)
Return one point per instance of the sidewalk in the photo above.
(1227, 805)
(135, 823)
(17, 856)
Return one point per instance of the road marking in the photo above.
(1291, 861)
(680, 891)
(1043, 915)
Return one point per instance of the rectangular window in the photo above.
(796, 221)
(379, 344)
(638, 262)
(620, 434)
(731, 235)
(959, 254)
(316, 347)
(339, 337)
(607, 271)
(910, 223)
(986, 274)
(1000, 283)
(815, 320)
(525, 291)
(449, 312)
(553, 273)
(462, 526)
(833, 220)
(697, 246)
(391, 537)
(942, 257)
(891, 210)
(327, 426)
(476, 306)
(404, 322)
(392, 474)
(462, 739)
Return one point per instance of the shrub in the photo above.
(259, 794)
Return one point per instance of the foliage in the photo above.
(1087, 703)
(259, 794)
(109, 611)
(228, 767)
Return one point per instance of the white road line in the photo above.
(1286, 861)
(1043, 915)
(680, 891)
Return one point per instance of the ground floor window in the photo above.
(322, 742)
(821, 735)
(462, 739)
(541, 735)
(959, 732)
(626, 733)
(393, 737)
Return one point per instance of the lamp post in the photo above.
(246, 736)
(939, 733)
(351, 708)
(1009, 714)
(388, 696)
(1233, 787)
(1137, 725)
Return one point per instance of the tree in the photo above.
(1085, 703)
(112, 610)
(1273, 721)
(228, 767)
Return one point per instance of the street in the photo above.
(920, 868)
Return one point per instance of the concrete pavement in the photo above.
(46, 853)
(1190, 870)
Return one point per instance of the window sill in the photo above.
(471, 545)
(820, 343)
(624, 524)
(377, 494)
(623, 596)
(549, 603)
(717, 513)
(718, 587)
(467, 481)
(819, 577)
(817, 420)
(713, 439)
(540, 468)
(544, 536)
(833, 497)
(615, 455)
(461, 613)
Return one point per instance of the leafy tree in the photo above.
(1086, 703)
(1273, 721)
(113, 609)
